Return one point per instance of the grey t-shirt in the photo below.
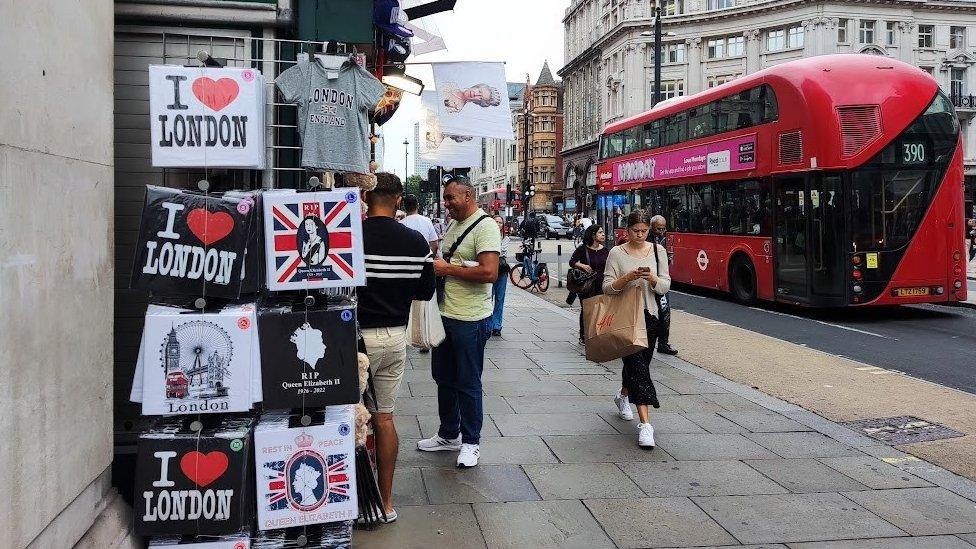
(332, 113)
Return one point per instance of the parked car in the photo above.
(555, 227)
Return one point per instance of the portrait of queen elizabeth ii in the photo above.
(455, 97)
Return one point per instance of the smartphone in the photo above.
(644, 269)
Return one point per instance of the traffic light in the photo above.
(508, 192)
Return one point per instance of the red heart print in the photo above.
(215, 94)
(209, 227)
(203, 469)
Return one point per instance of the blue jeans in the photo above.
(456, 366)
(498, 292)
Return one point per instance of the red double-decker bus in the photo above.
(493, 201)
(825, 182)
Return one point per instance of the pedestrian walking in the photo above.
(659, 235)
(420, 223)
(399, 270)
(634, 264)
(469, 268)
(591, 259)
(498, 289)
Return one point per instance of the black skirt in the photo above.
(637, 369)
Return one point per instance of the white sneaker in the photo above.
(623, 407)
(469, 455)
(645, 435)
(437, 443)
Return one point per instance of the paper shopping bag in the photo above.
(614, 325)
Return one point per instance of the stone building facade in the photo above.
(609, 47)
(545, 142)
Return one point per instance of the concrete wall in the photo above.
(56, 264)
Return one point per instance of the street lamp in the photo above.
(406, 156)
(656, 10)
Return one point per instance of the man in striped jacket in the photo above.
(399, 269)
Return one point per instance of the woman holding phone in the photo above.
(637, 264)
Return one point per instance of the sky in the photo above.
(522, 33)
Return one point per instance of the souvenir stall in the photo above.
(249, 373)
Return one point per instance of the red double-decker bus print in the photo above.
(799, 184)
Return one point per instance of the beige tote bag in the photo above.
(614, 325)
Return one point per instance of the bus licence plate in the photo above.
(911, 292)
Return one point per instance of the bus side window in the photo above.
(676, 128)
(652, 136)
(631, 140)
(677, 209)
(730, 212)
(769, 103)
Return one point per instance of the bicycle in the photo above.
(529, 272)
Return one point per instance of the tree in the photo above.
(413, 185)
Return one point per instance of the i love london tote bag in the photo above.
(614, 325)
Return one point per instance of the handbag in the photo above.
(579, 281)
(614, 325)
(425, 329)
(441, 281)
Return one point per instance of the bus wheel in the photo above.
(742, 281)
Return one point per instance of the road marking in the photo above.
(689, 295)
(842, 327)
(867, 368)
(715, 323)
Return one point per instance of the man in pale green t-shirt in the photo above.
(466, 310)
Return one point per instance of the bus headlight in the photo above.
(858, 289)
(956, 255)
(956, 270)
(957, 284)
(857, 275)
(939, 290)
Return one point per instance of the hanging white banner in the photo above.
(446, 150)
(473, 99)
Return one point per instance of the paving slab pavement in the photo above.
(734, 467)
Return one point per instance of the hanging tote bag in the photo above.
(614, 325)
(425, 329)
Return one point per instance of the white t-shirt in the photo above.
(585, 222)
(422, 225)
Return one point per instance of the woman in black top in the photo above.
(591, 258)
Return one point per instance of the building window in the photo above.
(842, 31)
(776, 40)
(865, 32)
(925, 33)
(716, 48)
(890, 29)
(930, 70)
(675, 53)
(957, 38)
(736, 46)
(794, 37)
(958, 82)
(672, 7)
(714, 81)
(720, 4)
(672, 88)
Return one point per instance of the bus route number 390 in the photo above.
(913, 153)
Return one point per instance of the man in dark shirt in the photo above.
(659, 235)
(399, 270)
